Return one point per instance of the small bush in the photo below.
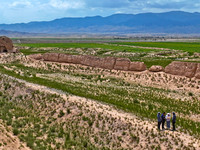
(190, 94)
(61, 114)
(15, 131)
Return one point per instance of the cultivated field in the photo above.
(49, 105)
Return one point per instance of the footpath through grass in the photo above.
(142, 101)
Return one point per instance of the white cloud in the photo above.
(20, 4)
(66, 4)
(13, 11)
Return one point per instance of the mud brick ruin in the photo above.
(6, 45)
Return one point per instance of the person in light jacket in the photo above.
(174, 121)
(159, 120)
(168, 118)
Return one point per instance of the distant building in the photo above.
(6, 45)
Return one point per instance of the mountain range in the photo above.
(175, 22)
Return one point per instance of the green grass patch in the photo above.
(161, 62)
(29, 52)
(185, 46)
(88, 45)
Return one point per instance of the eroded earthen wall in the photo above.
(6, 45)
(187, 69)
(106, 63)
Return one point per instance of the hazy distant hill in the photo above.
(17, 34)
(169, 22)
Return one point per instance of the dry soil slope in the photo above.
(8, 141)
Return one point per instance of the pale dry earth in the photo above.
(124, 124)
(121, 119)
(8, 141)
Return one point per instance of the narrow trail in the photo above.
(141, 47)
(115, 113)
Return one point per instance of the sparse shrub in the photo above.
(61, 114)
(134, 138)
(15, 131)
(190, 94)
(68, 111)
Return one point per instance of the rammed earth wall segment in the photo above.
(187, 69)
(106, 63)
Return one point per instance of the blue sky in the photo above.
(17, 11)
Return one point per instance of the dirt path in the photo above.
(115, 113)
(154, 48)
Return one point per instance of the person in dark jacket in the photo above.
(163, 120)
(174, 121)
(159, 120)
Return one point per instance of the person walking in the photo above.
(163, 120)
(159, 120)
(168, 118)
(174, 121)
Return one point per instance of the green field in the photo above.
(185, 46)
(113, 49)
(88, 45)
